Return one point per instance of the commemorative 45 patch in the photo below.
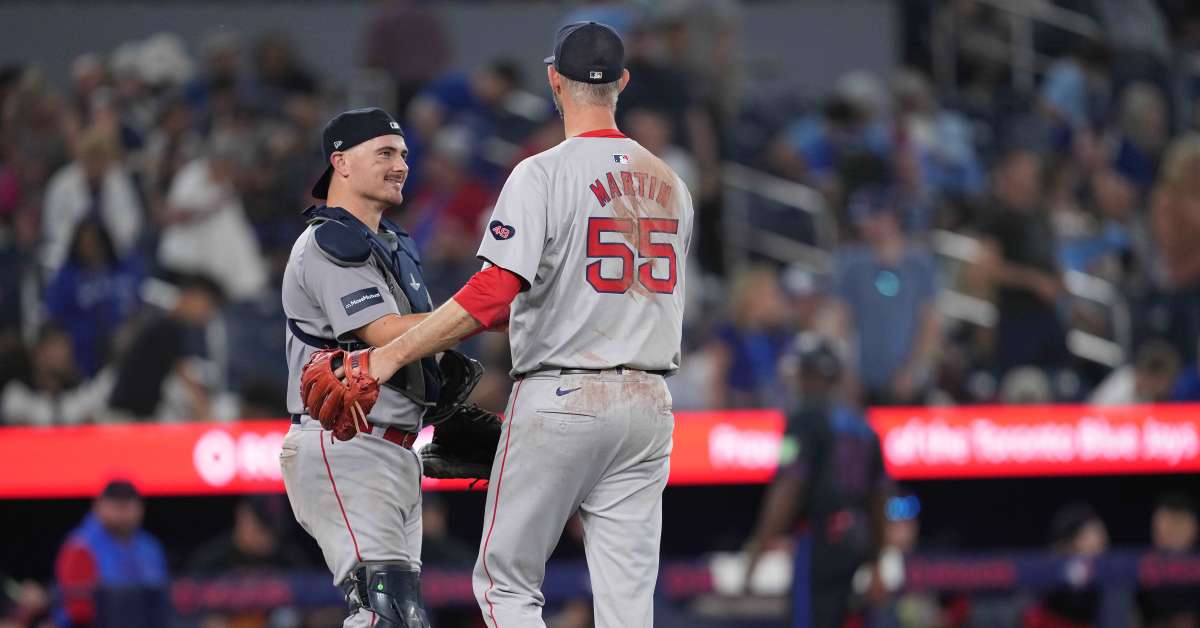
(501, 231)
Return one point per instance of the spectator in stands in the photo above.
(278, 72)
(257, 542)
(664, 87)
(703, 38)
(24, 604)
(887, 291)
(1062, 179)
(942, 139)
(1076, 531)
(172, 144)
(450, 205)
(1019, 265)
(97, 186)
(216, 90)
(850, 125)
(258, 545)
(407, 40)
(1187, 385)
(1175, 227)
(1175, 214)
(809, 293)
(93, 293)
(160, 349)
(1120, 232)
(749, 344)
(36, 129)
(1143, 128)
(88, 75)
(438, 547)
(1148, 380)
(1174, 532)
(110, 572)
(652, 129)
(49, 389)
(1025, 385)
(490, 103)
(831, 473)
(1075, 94)
(913, 608)
(206, 229)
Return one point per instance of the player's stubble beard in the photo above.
(557, 104)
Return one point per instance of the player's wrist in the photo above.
(384, 362)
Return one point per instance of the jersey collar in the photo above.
(602, 133)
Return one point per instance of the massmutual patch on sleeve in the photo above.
(360, 300)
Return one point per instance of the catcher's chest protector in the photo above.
(348, 242)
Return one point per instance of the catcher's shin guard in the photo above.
(391, 590)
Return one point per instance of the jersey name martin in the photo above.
(647, 186)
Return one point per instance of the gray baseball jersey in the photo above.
(327, 300)
(598, 227)
(359, 499)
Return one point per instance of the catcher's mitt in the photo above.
(464, 444)
(460, 374)
(340, 406)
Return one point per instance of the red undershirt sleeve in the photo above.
(488, 294)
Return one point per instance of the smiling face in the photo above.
(374, 170)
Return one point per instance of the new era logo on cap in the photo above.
(338, 143)
(396, 125)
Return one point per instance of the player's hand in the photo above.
(376, 371)
(338, 391)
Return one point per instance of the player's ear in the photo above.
(338, 161)
(553, 78)
(624, 80)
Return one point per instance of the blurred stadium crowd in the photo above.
(987, 243)
(972, 238)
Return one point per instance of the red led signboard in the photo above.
(726, 447)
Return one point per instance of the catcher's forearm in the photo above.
(385, 329)
(439, 331)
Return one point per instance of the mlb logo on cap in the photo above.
(621, 158)
(595, 74)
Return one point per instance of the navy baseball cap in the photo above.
(588, 52)
(347, 130)
(120, 489)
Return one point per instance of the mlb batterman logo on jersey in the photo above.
(621, 158)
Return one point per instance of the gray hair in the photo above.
(594, 94)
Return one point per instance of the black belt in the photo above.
(575, 371)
